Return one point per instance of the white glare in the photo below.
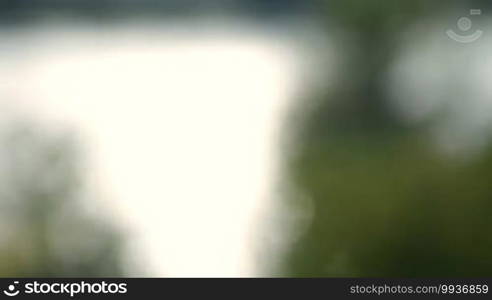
(180, 128)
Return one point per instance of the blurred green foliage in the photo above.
(385, 202)
(45, 229)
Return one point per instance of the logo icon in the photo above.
(464, 25)
(11, 291)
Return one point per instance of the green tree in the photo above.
(385, 202)
(44, 228)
